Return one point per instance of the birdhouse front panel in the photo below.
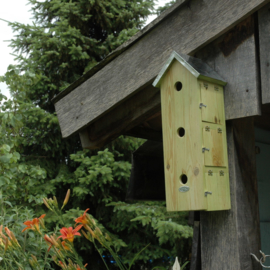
(182, 140)
(194, 137)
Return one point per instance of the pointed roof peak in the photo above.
(195, 65)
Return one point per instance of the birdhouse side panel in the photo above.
(182, 140)
(217, 188)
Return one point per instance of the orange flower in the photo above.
(69, 233)
(78, 267)
(33, 224)
(83, 218)
(64, 266)
(65, 246)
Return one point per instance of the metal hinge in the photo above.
(207, 192)
(219, 130)
(205, 149)
(202, 105)
(207, 128)
(221, 173)
(210, 172)
(216, 88)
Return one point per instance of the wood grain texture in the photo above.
(125, 117)
(186, 30)
(233, 56)
(228, 237)
(216, 142)
(212, 96)
(195, 263)
(264, 41)
(219, 186)
(145, 133)
(183, 155)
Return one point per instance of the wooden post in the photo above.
(228, 237)
(195, 263)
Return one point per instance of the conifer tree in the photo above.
(68, 38)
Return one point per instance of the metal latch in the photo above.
(221, 173)
(207, 128)
(219, 130)
(202, 105)
(207, 192)
(205, 149)
(210, 172)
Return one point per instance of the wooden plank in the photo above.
(145, 133)
(219, 186)
(195, 263)
(228, 237)
(185, 30)
(131, 113)
(183, 159)
(233, 56)
(212, 96)
(264, 41)
(216, 142)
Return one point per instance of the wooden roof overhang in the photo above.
(117, 97)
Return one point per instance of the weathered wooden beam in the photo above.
(186, 30)
(145, 133)
(264, 41)
(228, 237)
(122, 118)
(195, 263)
(233, 56)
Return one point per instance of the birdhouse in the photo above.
(194, 135)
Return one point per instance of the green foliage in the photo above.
(70, 37)
(17, 257)
(23, 183)
(67, 39)
(167, 232)
(97, 175)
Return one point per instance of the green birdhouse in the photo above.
(194, 135)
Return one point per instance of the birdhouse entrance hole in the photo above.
(178, 86)
(181, 132)
(183, 179)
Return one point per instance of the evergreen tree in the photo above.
(68, 38)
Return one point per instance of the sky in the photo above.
(19, 11)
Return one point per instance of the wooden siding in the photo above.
(264, 40)
(233, 56)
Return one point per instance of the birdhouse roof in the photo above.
(196, 66)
